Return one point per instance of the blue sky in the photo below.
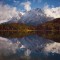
(34, 3)
(12, 8)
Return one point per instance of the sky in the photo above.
(13, 8)
(33, 3)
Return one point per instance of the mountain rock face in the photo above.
(50, 30)
(15, 19)
(34, 17)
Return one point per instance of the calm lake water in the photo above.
(27, 48)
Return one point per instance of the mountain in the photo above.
(15, 19)
(34, 17)
(12, 20)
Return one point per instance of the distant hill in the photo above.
(50, 30)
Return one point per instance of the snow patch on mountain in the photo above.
(34, 17)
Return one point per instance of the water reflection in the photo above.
(27, 48)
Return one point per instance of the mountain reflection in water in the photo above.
(28, 48)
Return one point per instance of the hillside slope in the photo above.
(50, 30)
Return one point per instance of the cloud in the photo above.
(7, 47)
(27, 6)
(52, 47)
(52, 12)
(7, 12)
